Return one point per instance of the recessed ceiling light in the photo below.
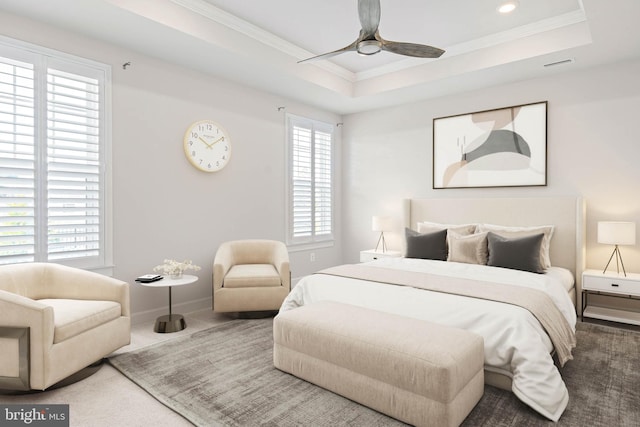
(508, 6)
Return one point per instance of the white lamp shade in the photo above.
(381, 223)
(617, 233)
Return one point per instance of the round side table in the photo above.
(171, 322)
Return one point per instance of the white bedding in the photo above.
(515, 342)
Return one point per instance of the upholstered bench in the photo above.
(412, 370)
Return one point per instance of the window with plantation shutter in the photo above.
(53, 151)
(310, 201)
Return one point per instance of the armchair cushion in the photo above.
(250, 275)
(72, 317)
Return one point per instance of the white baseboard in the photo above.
(181, 308)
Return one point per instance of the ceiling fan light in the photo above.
(508, 6)
(369, 47)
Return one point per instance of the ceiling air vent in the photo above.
(564, 61)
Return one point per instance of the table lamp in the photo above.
(616, 233)
(381, 224)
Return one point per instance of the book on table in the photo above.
(148, 278)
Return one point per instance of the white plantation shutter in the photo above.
(302, 183)
(310, 208)
(52, 158)
(323, 207)
(17, 161)
(73, 165)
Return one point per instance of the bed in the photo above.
(518, 349)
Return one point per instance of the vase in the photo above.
(176, 275)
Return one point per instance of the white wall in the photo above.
(593, 150)
(165, 208)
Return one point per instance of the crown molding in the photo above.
(254, 32)
(539, 27)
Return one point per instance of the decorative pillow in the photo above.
(547, 230)
(471, 249)
(518, 253)
(428, 227)
(426, 245)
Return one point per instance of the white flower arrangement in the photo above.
(174, 268)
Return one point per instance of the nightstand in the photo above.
(372, 254)
(594, 282)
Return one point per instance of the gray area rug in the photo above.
(224, 376)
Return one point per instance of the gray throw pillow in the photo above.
(518, 253)
(426, 245)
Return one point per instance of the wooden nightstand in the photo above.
(372, 254)
(594, 282)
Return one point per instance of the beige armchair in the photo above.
(250, 275)
(57, 320)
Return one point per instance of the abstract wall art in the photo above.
(506, 147)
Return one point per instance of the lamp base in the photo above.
(384, 244)
(616, 252)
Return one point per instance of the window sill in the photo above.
(299, 247)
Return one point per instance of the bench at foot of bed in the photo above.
(412, 370)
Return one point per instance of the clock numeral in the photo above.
(193, 154)
(194, 135)
(218, 163)
(209, 165)
(226, 148)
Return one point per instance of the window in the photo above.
(53, 156)
(310, 195)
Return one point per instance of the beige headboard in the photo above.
(567, 214)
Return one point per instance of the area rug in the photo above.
(224, 376)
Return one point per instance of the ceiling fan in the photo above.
(369, 42)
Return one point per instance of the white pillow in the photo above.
(505, 231)
(471, 249)
(464, 229)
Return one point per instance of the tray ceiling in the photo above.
(259, 43)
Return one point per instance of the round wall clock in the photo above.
(207, 146)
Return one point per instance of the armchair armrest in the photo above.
(22, 312)
(281, 262)
(222, 263)
(19, 311)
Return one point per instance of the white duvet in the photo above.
(515, 343)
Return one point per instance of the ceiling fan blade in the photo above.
(411, 49)
(369, 12)
(369, 41)
(351, 47)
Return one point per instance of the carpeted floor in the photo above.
(225, 376)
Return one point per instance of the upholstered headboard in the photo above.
(567, 214)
